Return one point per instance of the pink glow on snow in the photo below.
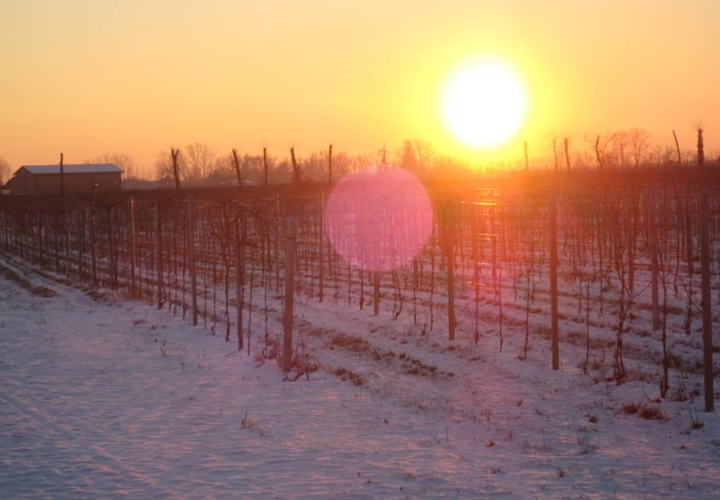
(379, 220)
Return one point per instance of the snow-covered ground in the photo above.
(107, 398)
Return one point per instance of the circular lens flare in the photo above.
(380, 220)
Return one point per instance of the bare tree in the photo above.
(661, 155)
(225, 169)
(279, 171)
(639, 142)
(424, 154)
(253, 168)
(406, 156)
(314, 167)
(618, 144)
(342, 164)
(124, 161)
(200, 160)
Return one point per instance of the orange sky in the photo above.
(138, 76)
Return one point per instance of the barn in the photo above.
(75, 179)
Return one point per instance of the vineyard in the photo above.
(616, 269)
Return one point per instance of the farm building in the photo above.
(76, 179)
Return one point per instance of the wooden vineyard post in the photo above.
(450, 248)
(175, 153)
(265, 168)
(133, 250)
(654, 270)
(158, 255)
(112, 251)
(321, 243)
(277, 244)
(66, 227)
(93, 241)
(81, 246)
(62, 176)
(376, 292)
(706, 303)
(238, 171)
(289, 290)
(191, 259)
(553, 280)
(240, 276)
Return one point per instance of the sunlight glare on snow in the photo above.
(379, 220)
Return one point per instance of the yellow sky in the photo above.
(137, 76)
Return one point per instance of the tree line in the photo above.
(199, 164)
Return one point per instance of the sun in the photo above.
(484, 101)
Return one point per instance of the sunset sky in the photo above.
(139, 76)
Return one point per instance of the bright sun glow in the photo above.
(484, 101)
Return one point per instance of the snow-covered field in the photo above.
(107, 398)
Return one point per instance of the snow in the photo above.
(89, 168)
(108, 398)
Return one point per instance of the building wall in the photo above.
(26, 183)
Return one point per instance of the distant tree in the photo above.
(200, 160)
(280, 172)
(424, 154)
(343, 164)
(382, 155)
(251, 169)
(4, 171)
(314, 167)
(124, 161)
(164, 168)
(447, 166)
(222, 171)
(618, 144)
(661, 155)
(583, 160)
(407, 157)
(639, 142)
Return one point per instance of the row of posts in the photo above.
(290, 258)
(705, 287)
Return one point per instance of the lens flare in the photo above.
(379, 220)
